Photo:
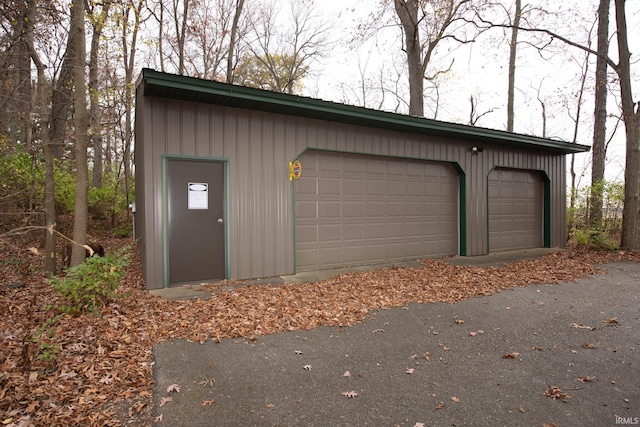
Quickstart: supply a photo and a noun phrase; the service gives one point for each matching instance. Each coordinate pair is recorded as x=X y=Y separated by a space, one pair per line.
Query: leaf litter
x=102 y=372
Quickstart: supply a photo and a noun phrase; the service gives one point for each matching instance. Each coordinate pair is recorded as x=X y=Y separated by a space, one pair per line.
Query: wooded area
x=68 y=73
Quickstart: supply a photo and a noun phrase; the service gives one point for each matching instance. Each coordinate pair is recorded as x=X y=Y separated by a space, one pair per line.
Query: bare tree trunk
x=161 y=36
x=95 y=116
x=181 y=30
x=129 y=63
x=600 y=117
x=43 y=113
x=80 y=219
x=631 y=114
x=61 y=100
x=407 y=11
x=513 y=48
x=232 y=40
x=572 y=202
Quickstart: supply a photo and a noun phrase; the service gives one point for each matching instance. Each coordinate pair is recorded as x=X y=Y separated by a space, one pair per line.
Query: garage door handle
x=220 y=220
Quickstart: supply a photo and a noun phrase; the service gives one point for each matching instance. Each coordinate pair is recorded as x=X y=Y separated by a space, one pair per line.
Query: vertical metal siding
x=259 y=147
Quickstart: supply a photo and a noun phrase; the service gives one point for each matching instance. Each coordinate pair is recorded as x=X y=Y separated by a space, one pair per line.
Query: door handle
x=220 y=220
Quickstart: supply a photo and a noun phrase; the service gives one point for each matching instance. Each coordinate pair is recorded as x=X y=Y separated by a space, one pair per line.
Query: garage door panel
x=308 y=186
x=376 y=187
x=515 y=210
x=353 y=232
x=307 y=233
x=413 y=209
x=307 y=209
x=374 y=166
x=330 y=186
x=352 y=187
x=395 y=209
x=370 y=209
x=395 y=168
x=375 y=209
x=353 y=210
x=375 y=231
x=375 y=251
x=331 y=232
x=395 y=188
x=396 y=229
x=330 y=209
x=330 y=255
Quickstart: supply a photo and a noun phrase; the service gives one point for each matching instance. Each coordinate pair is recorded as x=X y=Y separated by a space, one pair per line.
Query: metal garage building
x=217 y=196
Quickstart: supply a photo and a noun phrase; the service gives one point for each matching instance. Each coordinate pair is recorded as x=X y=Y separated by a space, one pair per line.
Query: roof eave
x=198 y=90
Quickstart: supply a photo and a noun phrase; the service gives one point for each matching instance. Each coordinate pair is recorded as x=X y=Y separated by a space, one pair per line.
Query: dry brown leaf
x=165 y=400
x=346 y=374
x=426 y=355
x=208 y=382
x=611 y=321
x=455 y=399
x=307 y=367
x=588 y=345
x=511 y=355
x=409 y=371
x=586 y=378
x=350 y=394
x=440 y=406
x=172 y=388
x=473 y=334
x=208 y=402
x=459 y=321
x=581 y=326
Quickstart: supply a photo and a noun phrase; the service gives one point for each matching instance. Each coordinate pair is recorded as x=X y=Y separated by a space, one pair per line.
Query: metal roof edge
x=347 y=113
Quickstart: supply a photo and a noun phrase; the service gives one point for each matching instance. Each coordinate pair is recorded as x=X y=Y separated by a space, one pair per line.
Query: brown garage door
x=357 y=209
x=515 y=210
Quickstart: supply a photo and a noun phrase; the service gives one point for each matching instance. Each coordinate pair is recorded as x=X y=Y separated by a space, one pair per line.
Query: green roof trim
x=164 y=85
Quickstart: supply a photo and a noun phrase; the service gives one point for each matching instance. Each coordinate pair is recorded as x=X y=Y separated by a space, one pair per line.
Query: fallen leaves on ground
x=556 y=392
x=102 y=372
x=350 y=394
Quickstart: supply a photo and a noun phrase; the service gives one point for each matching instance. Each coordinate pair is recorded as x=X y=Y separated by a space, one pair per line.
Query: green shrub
x=124 y=230
x=593 y=239
x=94 y=283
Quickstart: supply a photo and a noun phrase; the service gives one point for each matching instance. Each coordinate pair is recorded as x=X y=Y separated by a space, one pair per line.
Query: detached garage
x=238 y=183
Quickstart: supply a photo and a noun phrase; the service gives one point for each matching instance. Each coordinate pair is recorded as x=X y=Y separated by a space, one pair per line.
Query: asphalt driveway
x=567 y=354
